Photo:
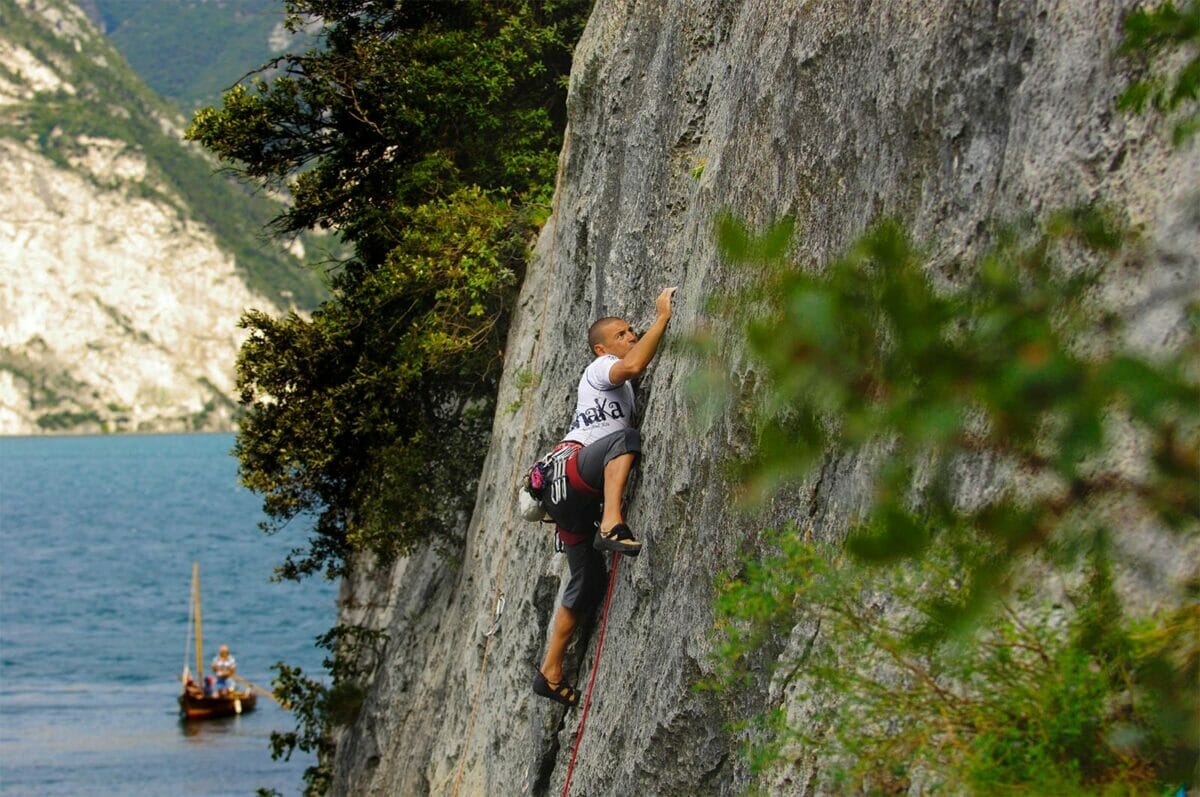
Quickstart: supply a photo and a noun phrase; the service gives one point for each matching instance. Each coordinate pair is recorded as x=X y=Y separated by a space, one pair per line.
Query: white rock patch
x=133 y=302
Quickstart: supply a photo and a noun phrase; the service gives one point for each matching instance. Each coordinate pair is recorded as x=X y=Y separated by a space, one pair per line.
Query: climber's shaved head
x=613 y=336
x=598 y=332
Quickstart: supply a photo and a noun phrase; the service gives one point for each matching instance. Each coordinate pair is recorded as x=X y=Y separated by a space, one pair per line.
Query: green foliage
x=933 y=654
x=1034 y=702
x=402 y=103
x=371 y=416
x=869 y=352
x=1166 y=41
x=319 y=708
x=426 y=134
x=974 y=646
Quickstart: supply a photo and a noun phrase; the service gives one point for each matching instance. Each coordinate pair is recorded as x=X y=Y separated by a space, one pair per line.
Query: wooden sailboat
x=194 y=704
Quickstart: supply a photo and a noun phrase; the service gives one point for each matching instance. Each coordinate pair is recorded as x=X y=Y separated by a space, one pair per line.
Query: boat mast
x=187 y=645
x=199 y=635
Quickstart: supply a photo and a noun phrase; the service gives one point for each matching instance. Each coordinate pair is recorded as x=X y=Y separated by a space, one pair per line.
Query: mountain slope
x=124 y=263
x=212 y=43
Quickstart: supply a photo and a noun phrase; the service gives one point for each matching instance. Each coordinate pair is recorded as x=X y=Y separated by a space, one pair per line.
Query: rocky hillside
x=124 y=263
x=947 y=115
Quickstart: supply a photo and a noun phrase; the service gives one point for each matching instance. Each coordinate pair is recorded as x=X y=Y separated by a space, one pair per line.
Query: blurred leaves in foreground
x=1020 y=370
x=1166 y=42
x=965 y=637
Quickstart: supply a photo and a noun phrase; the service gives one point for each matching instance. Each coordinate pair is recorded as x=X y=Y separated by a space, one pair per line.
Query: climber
x=591 y=467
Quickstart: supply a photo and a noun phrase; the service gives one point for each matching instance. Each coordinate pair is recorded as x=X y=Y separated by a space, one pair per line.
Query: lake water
x=97 y=540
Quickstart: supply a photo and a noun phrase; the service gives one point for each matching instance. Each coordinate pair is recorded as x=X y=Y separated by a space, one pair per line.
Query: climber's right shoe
x=620 y=539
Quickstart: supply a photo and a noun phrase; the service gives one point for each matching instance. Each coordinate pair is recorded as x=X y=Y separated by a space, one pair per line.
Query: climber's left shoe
x=560 y=692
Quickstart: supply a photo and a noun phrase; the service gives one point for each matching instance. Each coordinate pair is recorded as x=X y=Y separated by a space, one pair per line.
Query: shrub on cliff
x=426 y=135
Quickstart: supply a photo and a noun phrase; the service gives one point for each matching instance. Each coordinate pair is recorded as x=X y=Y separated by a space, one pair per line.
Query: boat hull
x=192 y=707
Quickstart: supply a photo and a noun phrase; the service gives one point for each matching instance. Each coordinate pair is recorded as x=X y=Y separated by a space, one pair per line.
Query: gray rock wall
x=945 y=114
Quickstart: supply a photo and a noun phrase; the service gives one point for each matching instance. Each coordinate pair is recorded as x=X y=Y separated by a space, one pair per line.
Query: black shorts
x=576 y=490
x=576 y=505
x=588 y=575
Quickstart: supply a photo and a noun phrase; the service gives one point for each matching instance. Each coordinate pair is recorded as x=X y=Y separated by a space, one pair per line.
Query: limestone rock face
x=113 y=307
x=118 y=310
x=944 y=114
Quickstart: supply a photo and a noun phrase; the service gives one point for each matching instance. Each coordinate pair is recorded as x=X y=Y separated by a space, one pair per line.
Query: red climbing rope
x=587 y=700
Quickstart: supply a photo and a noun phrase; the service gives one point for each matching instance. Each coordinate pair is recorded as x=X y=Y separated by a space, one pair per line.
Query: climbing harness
x=587 y=698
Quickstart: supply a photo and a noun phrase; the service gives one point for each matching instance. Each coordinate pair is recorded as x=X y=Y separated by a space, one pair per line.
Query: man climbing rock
x=589 y=471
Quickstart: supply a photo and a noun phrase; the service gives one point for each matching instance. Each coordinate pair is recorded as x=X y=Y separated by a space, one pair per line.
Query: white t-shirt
x=602 y=407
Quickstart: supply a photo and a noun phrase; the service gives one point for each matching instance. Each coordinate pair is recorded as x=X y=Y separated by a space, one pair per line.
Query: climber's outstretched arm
x=634 y=362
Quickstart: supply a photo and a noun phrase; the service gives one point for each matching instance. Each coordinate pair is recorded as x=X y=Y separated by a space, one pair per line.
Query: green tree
x=426 y=135
x=321 y=709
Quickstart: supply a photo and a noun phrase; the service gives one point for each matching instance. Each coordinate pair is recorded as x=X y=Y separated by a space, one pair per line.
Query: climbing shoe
x=559 y=692
x=620 y=539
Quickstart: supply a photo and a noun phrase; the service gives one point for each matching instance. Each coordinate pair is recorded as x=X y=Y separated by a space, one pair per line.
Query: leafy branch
x=936 y=651
x=320 y=709
x=1166 y=42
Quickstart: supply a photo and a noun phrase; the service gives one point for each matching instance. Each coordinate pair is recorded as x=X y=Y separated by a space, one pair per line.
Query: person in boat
x=225 y=666
x=589 y=472
x=193 y=689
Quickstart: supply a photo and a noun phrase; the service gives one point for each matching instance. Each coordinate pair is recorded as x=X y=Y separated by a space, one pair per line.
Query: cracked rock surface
x=946 y=115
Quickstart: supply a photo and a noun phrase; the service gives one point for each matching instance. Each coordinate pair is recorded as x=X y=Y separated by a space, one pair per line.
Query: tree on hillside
x=426 y=135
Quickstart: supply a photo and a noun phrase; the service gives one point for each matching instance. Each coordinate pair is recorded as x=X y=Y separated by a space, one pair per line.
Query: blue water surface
x=97 y=540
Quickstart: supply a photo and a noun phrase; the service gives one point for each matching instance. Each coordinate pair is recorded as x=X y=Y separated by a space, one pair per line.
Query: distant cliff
x=124 y=262
x=947 y=115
